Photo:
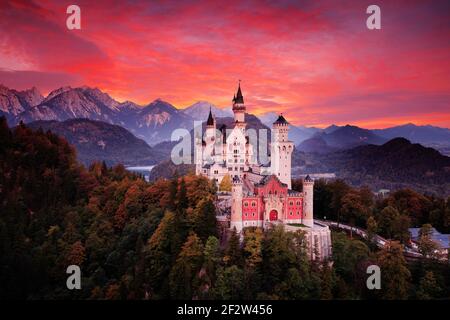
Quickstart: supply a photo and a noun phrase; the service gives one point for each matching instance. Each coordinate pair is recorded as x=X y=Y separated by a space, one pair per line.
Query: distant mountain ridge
x=156 y=121
x=395 y=164
x=13 y=102
x=200 y=110
x=100 y=141
x=339 y=139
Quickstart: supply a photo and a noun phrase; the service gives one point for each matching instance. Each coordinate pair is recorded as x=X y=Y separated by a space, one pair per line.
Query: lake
x=144 y=170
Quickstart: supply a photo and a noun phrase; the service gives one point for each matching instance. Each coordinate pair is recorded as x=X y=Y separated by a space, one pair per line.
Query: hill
x=96 y=140
x=393 y=165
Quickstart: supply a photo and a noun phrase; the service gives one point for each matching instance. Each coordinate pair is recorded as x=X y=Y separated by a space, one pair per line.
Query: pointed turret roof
x=210 y=121
x=238 y=98
x=281 y=120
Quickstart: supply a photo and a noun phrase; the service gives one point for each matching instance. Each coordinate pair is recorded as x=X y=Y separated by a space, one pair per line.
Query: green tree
x=233 y=251
x=427 y=247
x=182 y=198
x=253 y=247
x=186 y=268
x=278 y=256
x=229 y=284
x=395 y=274
x=160 y=253
x=372 y=229
x=212 y=257
x=428 y=287
x=204 y=221
x=173 y=191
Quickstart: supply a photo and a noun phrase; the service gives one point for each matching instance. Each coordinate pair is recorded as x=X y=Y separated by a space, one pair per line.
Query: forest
x=160 y=240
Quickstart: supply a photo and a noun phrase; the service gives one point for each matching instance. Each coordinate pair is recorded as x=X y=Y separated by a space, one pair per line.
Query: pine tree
x=395 y=274
x=372 y=229
x=204 y=221
x=229 y=284
x=233 y=251
x=182 y=197
x=173 y=191
x=186 y=268
x=211 y=256
x=427 y=247
x=428 y=287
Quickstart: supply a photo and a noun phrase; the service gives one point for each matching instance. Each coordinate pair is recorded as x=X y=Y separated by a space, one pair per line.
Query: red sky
x=315 y=61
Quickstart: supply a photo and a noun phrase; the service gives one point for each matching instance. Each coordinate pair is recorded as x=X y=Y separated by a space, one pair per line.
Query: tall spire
x=239 y=97
x=210 y=121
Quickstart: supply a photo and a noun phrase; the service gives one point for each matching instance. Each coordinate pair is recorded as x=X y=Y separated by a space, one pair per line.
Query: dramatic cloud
x=313 y=60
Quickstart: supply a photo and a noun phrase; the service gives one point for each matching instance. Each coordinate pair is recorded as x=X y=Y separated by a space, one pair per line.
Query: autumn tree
x=229 y=284
x=203 y=220
x=395 y=275
x=212 y=257
x=186 y=268
x=225 y=184
x=372 y=229
x=233 y=251
x=428 y=287
x=427 y=247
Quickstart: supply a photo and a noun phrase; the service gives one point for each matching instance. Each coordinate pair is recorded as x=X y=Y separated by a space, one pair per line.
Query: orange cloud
x=313 y=60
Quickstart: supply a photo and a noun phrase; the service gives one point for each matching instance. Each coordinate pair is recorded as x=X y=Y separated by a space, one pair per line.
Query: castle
x=261 y=195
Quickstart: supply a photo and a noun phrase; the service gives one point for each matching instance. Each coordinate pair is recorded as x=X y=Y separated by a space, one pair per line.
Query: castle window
x=290 y=213
x=254 y=204
x=291 y=203
x=245 y=204
x=298 y=203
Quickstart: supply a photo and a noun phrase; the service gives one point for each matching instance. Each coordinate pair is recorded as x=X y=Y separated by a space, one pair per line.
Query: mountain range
x=97 y=140
x=200 y=110
x=156 y=121
x=395 y=164
x=340 y=138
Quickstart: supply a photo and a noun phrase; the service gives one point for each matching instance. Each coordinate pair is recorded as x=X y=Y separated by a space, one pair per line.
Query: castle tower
x=210 y=136
x=281 y=151
x=239 y=106
x=308 y=201
x=236 y=205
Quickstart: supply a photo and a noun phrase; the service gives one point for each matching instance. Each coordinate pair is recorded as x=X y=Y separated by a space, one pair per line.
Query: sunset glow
x=315 y=61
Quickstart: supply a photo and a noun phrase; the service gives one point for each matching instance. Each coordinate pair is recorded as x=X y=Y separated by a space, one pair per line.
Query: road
x=379 y=240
